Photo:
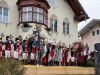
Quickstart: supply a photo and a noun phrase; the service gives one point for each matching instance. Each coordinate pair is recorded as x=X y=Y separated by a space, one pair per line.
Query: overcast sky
x=92 y=8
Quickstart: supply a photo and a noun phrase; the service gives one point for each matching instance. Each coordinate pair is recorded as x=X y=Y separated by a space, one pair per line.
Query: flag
x=36 y=38
x=82 y=55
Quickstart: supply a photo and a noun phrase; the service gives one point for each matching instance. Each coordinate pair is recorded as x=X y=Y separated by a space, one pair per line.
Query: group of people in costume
x=44 y=53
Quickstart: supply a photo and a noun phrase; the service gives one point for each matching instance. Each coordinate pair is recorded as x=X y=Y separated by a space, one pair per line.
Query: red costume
x=51 y=52
x=82 y=55
x=63 y=56
x=33 y=49
x=1 y=43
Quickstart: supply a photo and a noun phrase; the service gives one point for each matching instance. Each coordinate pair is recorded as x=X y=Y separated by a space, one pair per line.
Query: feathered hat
x=7 y=38
x=16 y=39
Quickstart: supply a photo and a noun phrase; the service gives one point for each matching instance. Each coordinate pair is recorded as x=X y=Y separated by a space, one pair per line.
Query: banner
x=36 y=38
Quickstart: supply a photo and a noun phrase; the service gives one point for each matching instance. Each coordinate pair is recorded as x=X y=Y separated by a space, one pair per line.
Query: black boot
x=23 y=61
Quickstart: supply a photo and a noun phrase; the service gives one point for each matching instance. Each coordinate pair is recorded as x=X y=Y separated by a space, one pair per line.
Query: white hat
x=46 y=39
x=57 y=42
x=17 y=40
x=8 y=38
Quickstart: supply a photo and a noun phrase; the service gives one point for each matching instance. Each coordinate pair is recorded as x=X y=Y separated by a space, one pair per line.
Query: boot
x=31 y=62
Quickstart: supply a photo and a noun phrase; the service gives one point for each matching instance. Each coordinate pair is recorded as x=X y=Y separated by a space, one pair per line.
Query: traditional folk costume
x=72 y=56
x=8 y=47
x=82 y=55
x=1 y=44
x=56 y=55
x=17 y=48
x=51 y=54
x=45 y=48
x=60 y=55
x=33 y=52
x=63 y=56
x=66 y=55
x=25 y=52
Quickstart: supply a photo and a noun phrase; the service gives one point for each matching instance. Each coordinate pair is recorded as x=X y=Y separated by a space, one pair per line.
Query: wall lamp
x=11 y=36
x=2 y=35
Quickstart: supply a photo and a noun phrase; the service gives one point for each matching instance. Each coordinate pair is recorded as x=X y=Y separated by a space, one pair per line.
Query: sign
x=36 y=38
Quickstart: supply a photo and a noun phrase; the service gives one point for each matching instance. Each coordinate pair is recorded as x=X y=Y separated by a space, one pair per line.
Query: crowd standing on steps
x=46 y=53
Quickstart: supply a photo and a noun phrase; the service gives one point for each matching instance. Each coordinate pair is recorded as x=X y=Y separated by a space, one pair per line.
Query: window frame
x=53 y=28
x=66 y=31
x=92 y=33
x=97 y=32
x=43 y=15
x=2 y=14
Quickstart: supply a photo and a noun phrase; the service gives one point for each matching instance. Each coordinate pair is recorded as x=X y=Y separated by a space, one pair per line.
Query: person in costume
x=8 y=47
x=16 y=48
x=63 y=56
x=66 y=55
x=33 y=58
x=45 y=52
x=86 y=53
x=82 y=55
x=1 y=44
x=56 y=57
x=51 y=54
x=72 y=56
x=60 y=54
x=25 y=48
x=40 y=53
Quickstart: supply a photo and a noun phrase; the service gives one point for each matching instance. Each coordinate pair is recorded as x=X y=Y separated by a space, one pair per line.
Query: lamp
x=39 y=3
x=2 y=35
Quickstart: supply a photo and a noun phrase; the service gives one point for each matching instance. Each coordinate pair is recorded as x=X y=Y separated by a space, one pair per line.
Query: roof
x=89 y=26
x=78 y=9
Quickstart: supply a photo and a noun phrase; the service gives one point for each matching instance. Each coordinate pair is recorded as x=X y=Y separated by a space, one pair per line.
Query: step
x=58 y=70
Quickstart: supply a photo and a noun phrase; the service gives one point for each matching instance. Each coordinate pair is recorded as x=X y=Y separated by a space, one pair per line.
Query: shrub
x=90 y=64
x=11 y=67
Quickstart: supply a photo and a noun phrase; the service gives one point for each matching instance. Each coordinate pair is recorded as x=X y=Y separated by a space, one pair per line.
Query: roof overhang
x=78 y=10
x=88 y=26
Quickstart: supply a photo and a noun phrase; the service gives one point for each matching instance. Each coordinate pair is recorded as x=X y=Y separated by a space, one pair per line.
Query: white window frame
x=38 y=15
x=53 y=25
x=51 y=2
x=94 y=33
x=26 y=13
x=66 y=25
x=3 y=15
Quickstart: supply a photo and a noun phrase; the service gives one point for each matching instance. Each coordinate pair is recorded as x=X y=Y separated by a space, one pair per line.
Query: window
x=33 y=14
x=97 y=31
x=93 y=33
x=65 y=28
x=38 y=15
x=3 y=15
x=27 y=14
x=51 y=2
x=53 y=25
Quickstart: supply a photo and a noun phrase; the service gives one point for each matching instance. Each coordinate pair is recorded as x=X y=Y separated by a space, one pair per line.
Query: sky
x=92 y=8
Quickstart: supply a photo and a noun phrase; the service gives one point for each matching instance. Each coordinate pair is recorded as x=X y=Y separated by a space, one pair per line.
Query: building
x=20 y=17
x=91 y=33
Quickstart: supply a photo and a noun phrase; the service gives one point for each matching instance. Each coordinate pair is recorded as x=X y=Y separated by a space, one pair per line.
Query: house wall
x=61 y=10
x=11 y=27
x=91 y=40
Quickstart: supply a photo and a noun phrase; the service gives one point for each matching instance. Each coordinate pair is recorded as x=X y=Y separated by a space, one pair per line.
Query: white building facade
x=61 y=16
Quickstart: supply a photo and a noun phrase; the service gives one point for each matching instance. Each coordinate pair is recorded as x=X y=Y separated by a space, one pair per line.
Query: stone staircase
x=34 y=70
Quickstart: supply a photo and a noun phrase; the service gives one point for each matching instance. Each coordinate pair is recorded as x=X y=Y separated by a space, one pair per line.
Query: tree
x=11 y=67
